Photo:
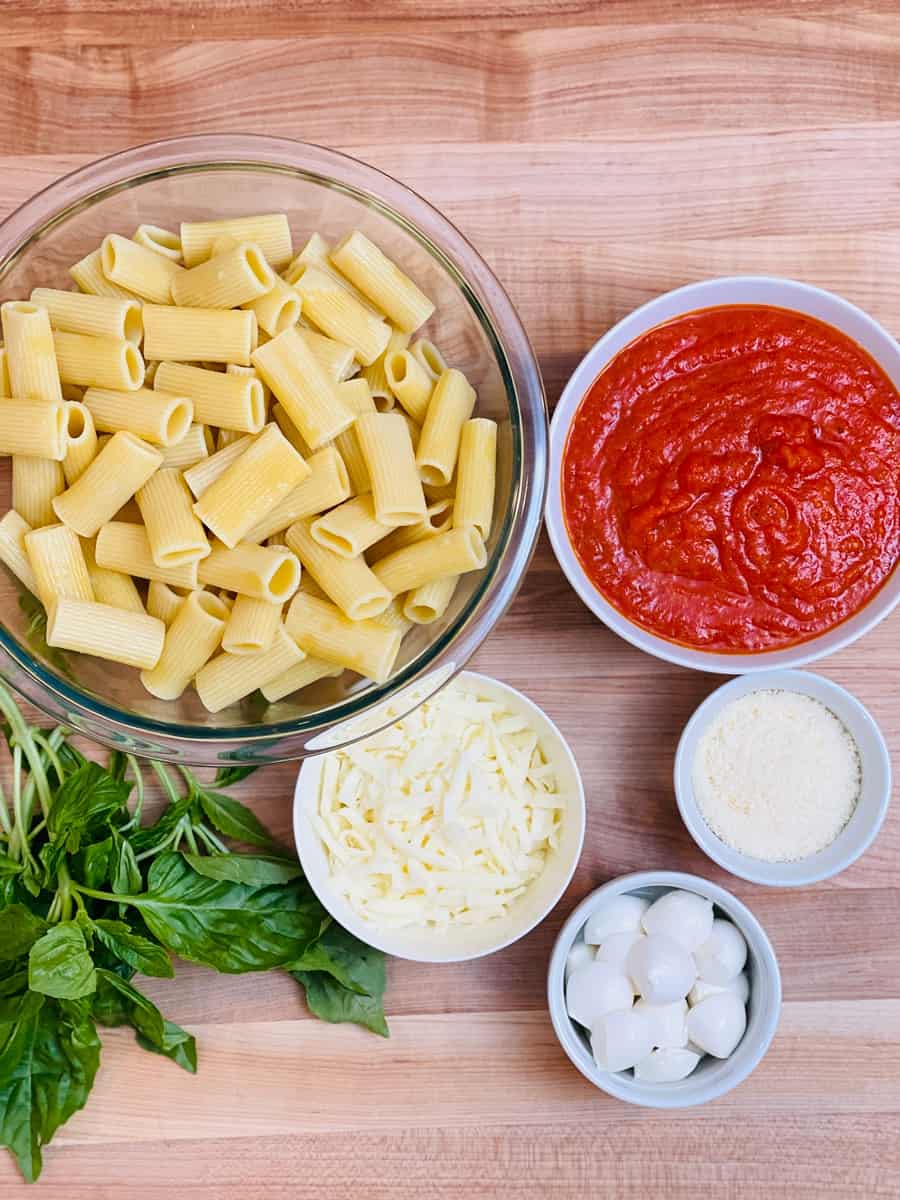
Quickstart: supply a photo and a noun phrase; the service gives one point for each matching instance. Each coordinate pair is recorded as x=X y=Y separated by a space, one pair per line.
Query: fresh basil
x=228 y=776
x=350 y=962
x=234 y=819
x=124 y=872
x=84 y=803
x=138 y=952
x=245 y=868
x=59 y=963
x=120 y=1003
x=329 y=1001
x=20 y=928
x=232 y=927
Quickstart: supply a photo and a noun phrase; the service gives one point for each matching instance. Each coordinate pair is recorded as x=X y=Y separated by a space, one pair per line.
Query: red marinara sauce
x=730 y=480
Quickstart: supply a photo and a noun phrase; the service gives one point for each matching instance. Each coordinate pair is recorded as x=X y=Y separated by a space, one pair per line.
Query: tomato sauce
x=730 y=480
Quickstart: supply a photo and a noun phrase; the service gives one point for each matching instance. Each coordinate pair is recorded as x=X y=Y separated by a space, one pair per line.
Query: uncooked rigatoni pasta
x=202 y=417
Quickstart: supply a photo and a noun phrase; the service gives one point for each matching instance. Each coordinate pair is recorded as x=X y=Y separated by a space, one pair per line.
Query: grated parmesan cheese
x=443 y=818
x=776 y=775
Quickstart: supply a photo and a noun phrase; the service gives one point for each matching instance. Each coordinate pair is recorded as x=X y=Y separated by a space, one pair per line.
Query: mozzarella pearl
x=621 y=914
x=702 y=988
x=717 y=1024
x=666 y=1066
x=620 y=1039
x=615 y=948
x=722 y=956
x=683 y=916
x=661 y=969
x=595 y=989
x=579 y=956
x=667 y=1023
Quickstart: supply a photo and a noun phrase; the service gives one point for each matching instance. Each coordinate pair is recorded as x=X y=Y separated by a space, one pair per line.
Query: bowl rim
x=305 y=838
x=563 y=1027
x=743 y=865
x=516 y=363
x=701 y=294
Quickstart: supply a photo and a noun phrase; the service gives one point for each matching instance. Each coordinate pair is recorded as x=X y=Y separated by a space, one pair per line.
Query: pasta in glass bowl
x=361 y=491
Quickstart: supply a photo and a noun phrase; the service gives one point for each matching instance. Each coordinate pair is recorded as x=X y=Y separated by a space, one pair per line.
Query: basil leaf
x=234 y=819
x=353 y=964
x=120 y=1003
x=94 y=867
x=48 y=1062
x=226 y=776
x=20 y=928
x=85 y=802
x=329 y=1001
x=125 y=874
x=138 y=952
x=59 y=963
x=14 y=982
x=232 y=927
x=245 y=868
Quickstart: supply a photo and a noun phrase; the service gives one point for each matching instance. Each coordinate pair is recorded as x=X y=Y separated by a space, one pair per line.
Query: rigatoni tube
x=124 y=547
x=30 y=356
x=58 y=563
x=347 y=581
x=409 y=382
x=379 y=278
x=89 y=627
x=173 y=532
x=229 y=677
x=13 y=553
x=300 y=676
x=261 y=477
x=326 y=486
x=269 y=231
x=191 y=640
x=450 y=407
x=277 y=309
x=225 y=281
x=89 y=277
x=351 y=528
x=123 y=465
x=36 y=483
x=202 y=475
x=299 y=382
x=476 y=476
x=387 y=448
x=356 y=395
x=332 y=309
x=81 y=440
x=137 y=269
x=252 y=625
x=194 y=446
x=264 y=572
x=322 y=630
x=163 y=600
x=101 y=362
x=199 y=334
x=156 y=416
x=36 y=428
x=96 y=316
x=227 y=401
x=451 y=553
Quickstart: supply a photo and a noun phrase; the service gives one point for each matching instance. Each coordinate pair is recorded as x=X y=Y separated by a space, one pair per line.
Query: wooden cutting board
x=596 y=154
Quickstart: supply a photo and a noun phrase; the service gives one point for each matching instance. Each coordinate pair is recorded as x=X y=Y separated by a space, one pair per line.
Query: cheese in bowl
x=451 y=832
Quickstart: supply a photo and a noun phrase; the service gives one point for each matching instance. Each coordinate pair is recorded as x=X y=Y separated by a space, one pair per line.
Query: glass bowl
x=476 y=327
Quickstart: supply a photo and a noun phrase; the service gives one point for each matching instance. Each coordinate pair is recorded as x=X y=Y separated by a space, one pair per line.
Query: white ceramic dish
x=859 y=832
x=713 y=1077
x=745 y=289
x=462 y=942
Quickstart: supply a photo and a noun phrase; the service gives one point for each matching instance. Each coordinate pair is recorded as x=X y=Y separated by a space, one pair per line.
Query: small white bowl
x=712 y=1077
x=859 y=832
x=462 y=942
x=741 y=289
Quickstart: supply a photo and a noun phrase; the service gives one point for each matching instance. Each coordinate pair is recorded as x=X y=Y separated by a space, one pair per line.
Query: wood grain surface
x=596 y=154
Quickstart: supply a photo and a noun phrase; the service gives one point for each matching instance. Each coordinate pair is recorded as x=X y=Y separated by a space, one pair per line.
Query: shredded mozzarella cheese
x=444 y=817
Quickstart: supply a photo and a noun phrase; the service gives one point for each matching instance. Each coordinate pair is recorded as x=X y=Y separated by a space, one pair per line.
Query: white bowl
x=859 y=832
x=459 y=943
x=712 y=1077
x=741 y=289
